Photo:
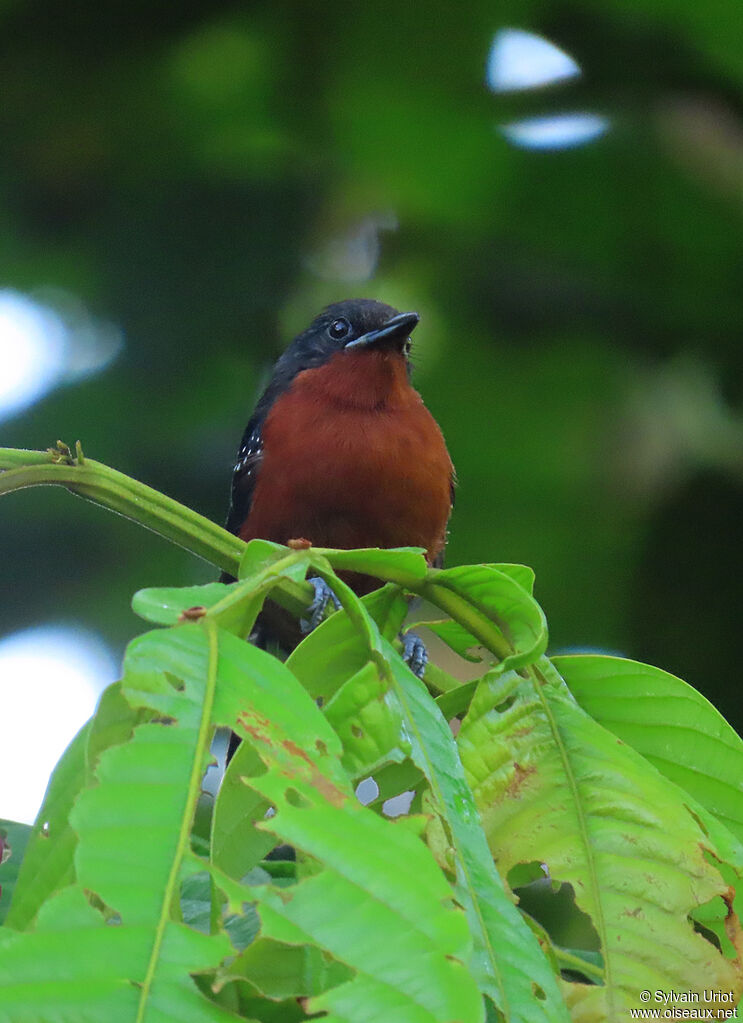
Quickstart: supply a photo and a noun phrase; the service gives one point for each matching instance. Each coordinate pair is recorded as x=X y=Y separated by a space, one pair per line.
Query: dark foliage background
x=189 y=172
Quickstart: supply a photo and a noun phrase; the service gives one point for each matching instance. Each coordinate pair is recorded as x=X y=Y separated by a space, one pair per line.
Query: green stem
x=139 y=503
x=569 y=961
x=181 y=525
x=462 y=611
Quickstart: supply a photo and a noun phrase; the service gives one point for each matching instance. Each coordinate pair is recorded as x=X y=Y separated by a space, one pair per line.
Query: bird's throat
x=364 y=379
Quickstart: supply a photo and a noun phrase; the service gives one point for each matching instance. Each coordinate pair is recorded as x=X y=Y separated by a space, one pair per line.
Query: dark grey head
x=348 y=327
x=351 y=325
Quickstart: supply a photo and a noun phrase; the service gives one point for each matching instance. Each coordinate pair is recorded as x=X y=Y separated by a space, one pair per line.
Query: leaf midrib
x=540 y=682
x=183 y=844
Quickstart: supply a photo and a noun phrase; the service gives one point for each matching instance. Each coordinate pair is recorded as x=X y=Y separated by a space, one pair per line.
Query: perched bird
x=341 y=450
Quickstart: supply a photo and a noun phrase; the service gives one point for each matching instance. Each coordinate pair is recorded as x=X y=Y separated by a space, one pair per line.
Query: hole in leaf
x=321 y=747
x=367 y=791
x=110 y=915
x=716 y=923
x=177 y=683
x=320 y=701
x=165 y=720
x=282 y=854
x=552 y=904
x=242 y=927
x=706 y=933
x=296 y=799
x=398 y=806
x=45 y=829
x=522 y=874
x=196 y=901
x=357 y=732
x=538 y=992
x=491 y=1013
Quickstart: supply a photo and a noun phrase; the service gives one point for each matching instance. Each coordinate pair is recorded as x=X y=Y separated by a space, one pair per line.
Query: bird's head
x=353 y=326
x=359 y=346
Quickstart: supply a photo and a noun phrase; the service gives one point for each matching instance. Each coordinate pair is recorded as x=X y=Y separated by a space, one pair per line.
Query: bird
x=342 y=452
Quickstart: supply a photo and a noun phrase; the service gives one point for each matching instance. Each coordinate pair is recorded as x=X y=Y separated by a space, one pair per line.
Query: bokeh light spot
x=51 y=678
x=32 y=351
x=43 y=345
x=523 y=60
x=558 y=131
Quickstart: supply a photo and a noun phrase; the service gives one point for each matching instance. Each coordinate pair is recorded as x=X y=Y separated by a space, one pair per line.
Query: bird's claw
x=316 y=611
x=414 y=653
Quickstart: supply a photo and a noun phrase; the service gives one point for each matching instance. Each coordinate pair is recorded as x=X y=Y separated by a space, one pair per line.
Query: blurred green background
x=183 y=186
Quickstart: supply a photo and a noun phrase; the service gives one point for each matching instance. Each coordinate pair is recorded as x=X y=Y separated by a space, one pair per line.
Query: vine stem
x=136 y=501
x=99 y=483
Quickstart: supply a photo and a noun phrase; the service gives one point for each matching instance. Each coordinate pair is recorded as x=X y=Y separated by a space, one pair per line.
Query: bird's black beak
x=396 y=330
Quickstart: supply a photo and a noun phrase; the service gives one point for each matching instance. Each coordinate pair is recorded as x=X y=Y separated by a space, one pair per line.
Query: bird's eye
x=338 y=329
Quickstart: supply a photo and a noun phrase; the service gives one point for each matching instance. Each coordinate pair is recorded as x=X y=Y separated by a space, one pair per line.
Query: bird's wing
x=438 y=561
x=245 y=475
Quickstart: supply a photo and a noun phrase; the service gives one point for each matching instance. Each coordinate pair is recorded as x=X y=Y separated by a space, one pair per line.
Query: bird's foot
x=414 y=653
x=316 y=611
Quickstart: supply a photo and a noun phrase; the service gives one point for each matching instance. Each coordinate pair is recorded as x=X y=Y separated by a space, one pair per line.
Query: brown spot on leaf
x=296 y=751
x=192 y=614
x=254 y=724
x=520 y=774
x=732 y=924
x=519 y=733
x=299 y=544
x=177 y=683
x=324 y=786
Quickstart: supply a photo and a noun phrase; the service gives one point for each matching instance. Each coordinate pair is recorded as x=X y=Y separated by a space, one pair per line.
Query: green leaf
x=74 y=966
x=396 y=778
x=114 y=723
x=356 y=897
x=235 y=606
x=498 y=598
x=456 y=702
x=507 y=962
x=670 y=723
x=236 y=844
x=131 y=858
x=48 y=862
x=455 y=636
x=555 y=787
x=13 y=841
x=401 y=565
x=366 y=716
x=521 y=574
x=165 y=605
x=389 y=917
x=280 y=971
x=262 y=555
x=334 y=652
